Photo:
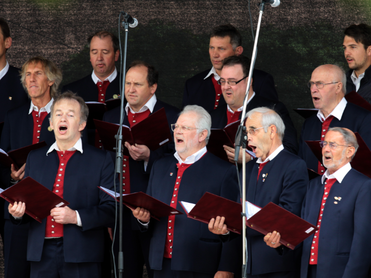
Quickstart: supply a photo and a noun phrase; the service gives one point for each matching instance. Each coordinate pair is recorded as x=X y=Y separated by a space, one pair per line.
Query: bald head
x=331 y=81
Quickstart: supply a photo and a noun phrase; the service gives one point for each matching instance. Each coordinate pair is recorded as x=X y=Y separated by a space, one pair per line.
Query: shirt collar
x=337 y=112
x=4 y=70
x=192 y=158
x=149 y=105
x=109 y=78
x=46 y=108
x=76 y=147
x=213 y=71
x=338 y=175
x=271 y=156
x=241 y=108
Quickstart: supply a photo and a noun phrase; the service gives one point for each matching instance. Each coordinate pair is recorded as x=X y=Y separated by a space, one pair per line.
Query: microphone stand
x=241 y=138
x=119 y=149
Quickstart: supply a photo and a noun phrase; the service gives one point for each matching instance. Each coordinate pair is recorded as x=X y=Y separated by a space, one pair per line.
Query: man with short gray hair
x=276 y=176
x=327 y=87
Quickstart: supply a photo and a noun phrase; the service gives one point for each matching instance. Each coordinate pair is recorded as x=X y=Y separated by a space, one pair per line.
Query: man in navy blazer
x=140 y=93
x=233 y=80
x=26 y=125
x=327 y=86
x=12 y=93
x=104 y=52
x=338 y=202
x=182 y=247
x=70 y=241
x=276 y=176
x=202 y=89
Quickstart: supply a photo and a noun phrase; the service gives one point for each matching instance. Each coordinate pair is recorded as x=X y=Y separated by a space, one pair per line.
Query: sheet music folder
x=39 y=200
x=18 y=157
x=140 y=199
x=271 y=217
x=153 y=132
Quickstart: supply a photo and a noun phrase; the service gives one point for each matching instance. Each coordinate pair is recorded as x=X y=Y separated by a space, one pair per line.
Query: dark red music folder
x=157 y=208
x=97 y=109
x=361 y=161
x=18 y=157
x=211 y=206
x=292 y=228
x=39 y=200
x=306 y=112
x=153 y=132
x=356 y=99
x=271 y=217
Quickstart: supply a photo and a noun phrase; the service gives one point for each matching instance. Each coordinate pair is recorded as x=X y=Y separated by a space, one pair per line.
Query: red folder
x=272 y=217
x=97 y=109
x=306 y=112
x=211 y=206
x=361 y=161
x=39 y=199
x=18 y=157
x=153 y=132
x=291 y=227
x=356 y=99
x=157 y=208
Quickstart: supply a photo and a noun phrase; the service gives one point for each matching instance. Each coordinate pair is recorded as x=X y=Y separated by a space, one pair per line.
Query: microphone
x=133 y=22
x=274 y=3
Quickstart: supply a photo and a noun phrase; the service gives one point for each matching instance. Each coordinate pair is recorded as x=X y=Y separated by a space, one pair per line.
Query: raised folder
x=97 y=109
x=157 y=208
x=39 y=200
x=18 y=157
x=272 y=217
x=153 y=132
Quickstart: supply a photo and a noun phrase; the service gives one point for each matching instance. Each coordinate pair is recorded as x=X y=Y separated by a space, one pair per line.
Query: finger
x=211 y=224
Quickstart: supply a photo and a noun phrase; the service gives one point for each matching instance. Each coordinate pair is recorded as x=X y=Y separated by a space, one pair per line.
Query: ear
x=350 y=151
x=153 y=89
x=8 y=42
x=272 y=129
x=82 y=126
x=239 y=50
x=202 y=136
x=117 y=55
x=51 y=123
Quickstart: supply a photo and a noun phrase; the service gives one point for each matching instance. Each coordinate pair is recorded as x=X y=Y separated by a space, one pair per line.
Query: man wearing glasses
x=233 y=81
x=327 y=87
x=338 y=202
x=203 y=88
x=276 y=176
x=182 y=247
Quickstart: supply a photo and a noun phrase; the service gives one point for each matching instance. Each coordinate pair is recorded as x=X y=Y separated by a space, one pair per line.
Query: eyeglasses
x=252 y=131
x=182 y=128
x=319 y=84
x=222 y=82
x=332 y=145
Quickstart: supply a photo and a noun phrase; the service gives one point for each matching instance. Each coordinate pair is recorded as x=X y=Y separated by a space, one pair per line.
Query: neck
x=2 y=62
x=41 y=102
x=64 y=146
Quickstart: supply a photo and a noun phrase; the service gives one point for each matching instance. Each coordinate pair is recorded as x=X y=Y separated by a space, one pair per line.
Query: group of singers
x=75 y=240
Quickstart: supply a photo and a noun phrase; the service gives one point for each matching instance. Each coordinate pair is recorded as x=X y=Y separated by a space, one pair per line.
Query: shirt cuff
x=78 y=218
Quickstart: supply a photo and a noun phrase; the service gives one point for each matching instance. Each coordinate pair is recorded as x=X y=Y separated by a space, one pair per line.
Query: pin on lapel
x=171 y=174
x=264 y=176
x=337 y=198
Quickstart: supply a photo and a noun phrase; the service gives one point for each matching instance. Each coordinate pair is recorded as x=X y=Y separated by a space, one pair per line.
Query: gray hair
x=348 y=136
x=343 y=78
x=269 y=117
x=203 y=121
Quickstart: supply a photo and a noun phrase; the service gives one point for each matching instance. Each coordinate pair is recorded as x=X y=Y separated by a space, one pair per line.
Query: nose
x=346 y=51
x=100 y=56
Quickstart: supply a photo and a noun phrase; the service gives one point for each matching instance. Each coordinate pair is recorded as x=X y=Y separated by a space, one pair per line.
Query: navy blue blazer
x=343 y=244
x=201 y=91
x=219 y=120
x=88 y=90
x=285 y=186
x=354 y=117
x=12 y=93
x=84 y=173
x=195 y=248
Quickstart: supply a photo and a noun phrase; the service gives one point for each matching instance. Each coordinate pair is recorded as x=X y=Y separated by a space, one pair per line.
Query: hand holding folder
x=270 y=218
x=157 y=208
x=39 y=200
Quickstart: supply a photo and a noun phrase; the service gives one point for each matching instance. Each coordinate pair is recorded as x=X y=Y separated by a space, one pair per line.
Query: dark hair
x=230 y=31
x=152 y=73
x=102 y=35
x=51 y=71
x=4 y=28
x=360 y=33
x=238 y=60
x=84 y=110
